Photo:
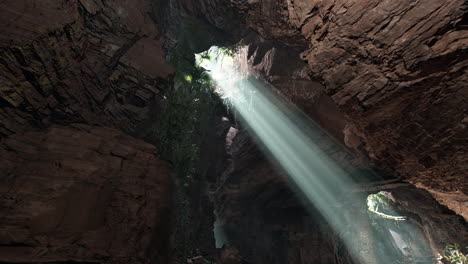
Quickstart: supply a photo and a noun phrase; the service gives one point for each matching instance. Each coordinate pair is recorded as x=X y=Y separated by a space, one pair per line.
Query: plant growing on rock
x=453 y=254
x=189 y=108
x=381 y=205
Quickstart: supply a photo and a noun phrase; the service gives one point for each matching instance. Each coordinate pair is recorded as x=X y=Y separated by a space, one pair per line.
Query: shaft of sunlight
x=287 y=138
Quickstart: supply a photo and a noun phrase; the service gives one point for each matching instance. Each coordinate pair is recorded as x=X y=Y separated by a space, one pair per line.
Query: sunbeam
x=287 y=136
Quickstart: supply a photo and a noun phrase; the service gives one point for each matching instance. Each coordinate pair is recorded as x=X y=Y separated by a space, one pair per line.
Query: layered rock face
x=75 y=192
x=282 y=67
x=397 y=70
x=386 y=78
x=79 y=61
x=83 y=194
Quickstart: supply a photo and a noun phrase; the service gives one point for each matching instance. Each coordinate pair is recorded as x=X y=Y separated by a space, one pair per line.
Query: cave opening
x=286 y=136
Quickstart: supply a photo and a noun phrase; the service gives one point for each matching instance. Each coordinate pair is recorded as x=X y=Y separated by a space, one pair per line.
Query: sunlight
x=286 y=135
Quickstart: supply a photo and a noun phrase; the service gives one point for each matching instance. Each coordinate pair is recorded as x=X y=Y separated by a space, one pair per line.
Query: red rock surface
x=261 y=212
x=72 y=192
x=397 y=70
x=84 y=194
x=79 y=61
x=392 y=74
x=388 y=78
x=81 y=193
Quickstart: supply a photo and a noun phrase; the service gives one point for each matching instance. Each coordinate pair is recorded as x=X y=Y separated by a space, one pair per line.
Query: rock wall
x=260 y=213
x=386 y=78
x=79 y=61
x=87 y=192
x=393 y=72
x=83 y=194
x=396 y=70
x=194 y=206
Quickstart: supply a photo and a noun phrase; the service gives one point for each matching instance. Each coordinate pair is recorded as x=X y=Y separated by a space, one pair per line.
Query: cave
x=234 y=131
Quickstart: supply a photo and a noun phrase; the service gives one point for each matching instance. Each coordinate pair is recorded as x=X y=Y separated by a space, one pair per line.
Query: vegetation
x=189 y=109
x=232 y=50
x=380 y=204
x=235 y=83
x=182 y=128
x=453 y=253
x=376 y=200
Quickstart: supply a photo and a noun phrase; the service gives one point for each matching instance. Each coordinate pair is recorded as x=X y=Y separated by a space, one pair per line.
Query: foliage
x=378 y=201
x=453 y=253
x=382 y=213
x=232 y=50
x=221 y=53
x=190 y=105
x=189 y=108
x=235 y=84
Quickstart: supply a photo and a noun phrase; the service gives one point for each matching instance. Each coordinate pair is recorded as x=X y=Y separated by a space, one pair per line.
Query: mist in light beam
x=287 y=138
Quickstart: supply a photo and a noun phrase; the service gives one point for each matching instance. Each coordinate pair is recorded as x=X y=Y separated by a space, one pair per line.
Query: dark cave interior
x=119 y=143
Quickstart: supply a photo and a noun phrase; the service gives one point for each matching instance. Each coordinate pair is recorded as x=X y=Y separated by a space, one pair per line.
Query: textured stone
x=28 y=19
x=388 y=78
x=394 y=74
x=79 y=61
x=261 y=213
x=397 y=70
x=83 y=194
